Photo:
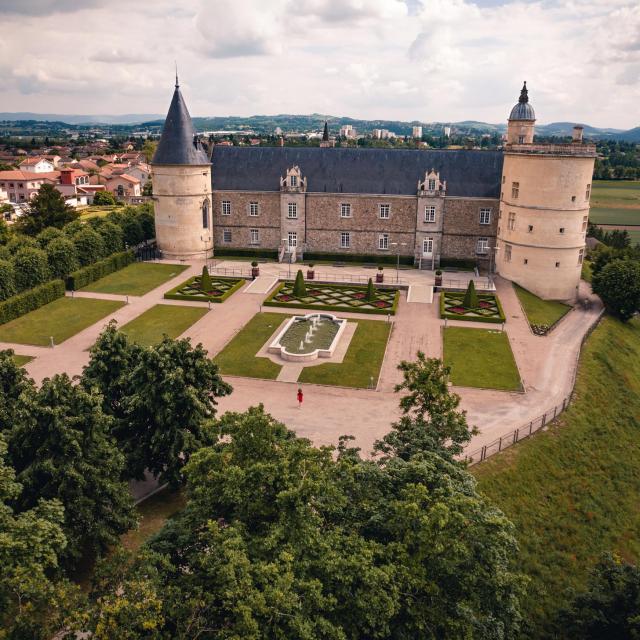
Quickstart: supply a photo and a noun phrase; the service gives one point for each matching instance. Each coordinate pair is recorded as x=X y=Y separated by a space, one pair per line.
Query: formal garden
x=333 y=297
x=206 y=288
x=471 y=305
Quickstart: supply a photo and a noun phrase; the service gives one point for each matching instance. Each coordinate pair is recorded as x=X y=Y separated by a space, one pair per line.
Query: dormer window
x=431 y=184
x=293 y=181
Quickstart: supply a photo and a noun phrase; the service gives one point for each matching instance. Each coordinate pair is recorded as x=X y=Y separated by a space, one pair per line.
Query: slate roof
x=523 y=110
x=343 y=170
x=177 y=143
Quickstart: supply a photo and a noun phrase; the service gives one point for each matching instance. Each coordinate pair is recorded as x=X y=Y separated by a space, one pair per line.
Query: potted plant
x=380 y=275
x=311 y=274
x=438 y=278
x=255 y=269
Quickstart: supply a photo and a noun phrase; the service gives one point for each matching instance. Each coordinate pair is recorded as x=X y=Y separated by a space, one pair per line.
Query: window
x=573 y=198
x=557 y=264
x=482 y=246
x=530 y=228
x=292 y=210
x=504 y=179
x=431 y=184
x=385 y=209
x=254 y=236
x=580 y=256
x=485 y=216
x=561 y=229
x=587 y=193
x=520 y=139
x=383 y=241
x=515 y=190
x=585 y=222
x=429 y=214
x=511 y=225
x=427 y=246
x=507 y=253
x=293 y=181
x=345 y=240
x=345 y=210
x=253 y=208
x=226 y=207
x=205 y=214
x=526 y=261
x=226 y=235
x=292 y=239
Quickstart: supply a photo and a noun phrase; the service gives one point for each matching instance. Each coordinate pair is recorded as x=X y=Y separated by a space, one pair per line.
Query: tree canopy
x=46 y=209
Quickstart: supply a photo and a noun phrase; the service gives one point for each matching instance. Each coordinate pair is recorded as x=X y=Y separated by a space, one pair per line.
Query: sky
x=427 y=60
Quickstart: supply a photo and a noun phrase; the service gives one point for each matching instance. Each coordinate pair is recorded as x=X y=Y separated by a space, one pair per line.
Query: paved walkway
x=547 y=365
x=420 y=293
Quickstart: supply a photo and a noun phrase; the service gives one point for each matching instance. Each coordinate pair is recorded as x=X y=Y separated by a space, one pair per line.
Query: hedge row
x=270 y=302
x=91 y=273
x=249 y=253
x=30 y=300
x=459 y=263
x=174 y=295
x=310 y=256
x=481 y=296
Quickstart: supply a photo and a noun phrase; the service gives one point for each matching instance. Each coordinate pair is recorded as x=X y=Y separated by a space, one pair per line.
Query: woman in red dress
x=300 y=398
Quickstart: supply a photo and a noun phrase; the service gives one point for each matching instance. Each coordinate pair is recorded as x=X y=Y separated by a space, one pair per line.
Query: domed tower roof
x=523 y=110
x=178 y=143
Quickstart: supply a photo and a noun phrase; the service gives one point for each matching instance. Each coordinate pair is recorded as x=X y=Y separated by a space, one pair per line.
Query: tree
x=430 y=418
x=7 y=280
x=618 y=285
x=149 y=148
x=299 y=286
x=5 y=231
x=132 y=230
x=147 y=222
x=62 y=256
x=47 y=209
x=205 y=280
x=47 y=235
x=103 y=198
x=62 y=449
x=470 y=297
x=13 y=382
x=609 y=607
x=147 y=189
x=90 y=246
x=111 y=236
x=31 y=268
x=371 y=291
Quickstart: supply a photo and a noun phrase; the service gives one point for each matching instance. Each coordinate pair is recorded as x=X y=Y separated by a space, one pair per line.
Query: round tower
x=182 y=187
x=544 y=208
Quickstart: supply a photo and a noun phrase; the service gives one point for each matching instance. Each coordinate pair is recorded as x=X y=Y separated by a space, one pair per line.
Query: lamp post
x=285 y=244
x=398 y=245
x=493 y=256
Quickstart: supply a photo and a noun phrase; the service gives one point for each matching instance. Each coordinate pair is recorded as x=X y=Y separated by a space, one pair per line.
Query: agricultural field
x=616 y=202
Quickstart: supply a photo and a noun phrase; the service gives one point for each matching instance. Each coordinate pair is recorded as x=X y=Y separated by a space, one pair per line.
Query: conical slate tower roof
x=178 y=144
x=325 y=133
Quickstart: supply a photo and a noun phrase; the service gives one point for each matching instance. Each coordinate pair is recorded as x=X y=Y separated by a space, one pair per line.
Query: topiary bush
x=205 y=280
x=470 y=297
x=299 y=287
x=31 y=268
x=62 y=256
x=7 y=280
x=371 y=291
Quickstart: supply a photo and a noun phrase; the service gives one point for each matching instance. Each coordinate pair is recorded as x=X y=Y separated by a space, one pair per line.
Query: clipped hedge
x=91 y=273
x=30 y=300
x=459 y=263
x=174 y=295
x=310 y=256
x=249 y=253
x=481 y=296
x=270 y=302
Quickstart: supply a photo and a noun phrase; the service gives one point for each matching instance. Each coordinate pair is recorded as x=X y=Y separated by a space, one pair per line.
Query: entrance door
x=292 y=240
x=427 y=247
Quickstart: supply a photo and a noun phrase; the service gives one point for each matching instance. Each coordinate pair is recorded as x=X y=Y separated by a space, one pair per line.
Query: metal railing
x=341 y=277
x=455 y=283
x=225 y=271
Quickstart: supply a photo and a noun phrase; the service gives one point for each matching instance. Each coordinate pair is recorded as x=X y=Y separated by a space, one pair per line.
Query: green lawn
x=480 y=358
x=22 y=360
x=572 y=491
x=136 y=279
x=586 y=271
x=61 y=319
x=361 y=363
x=97 y=211
x=238 y=358
x=163 y=319
x=540 y=312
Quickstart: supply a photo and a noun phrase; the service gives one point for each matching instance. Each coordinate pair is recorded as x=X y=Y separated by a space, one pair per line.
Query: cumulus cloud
x=120 y=56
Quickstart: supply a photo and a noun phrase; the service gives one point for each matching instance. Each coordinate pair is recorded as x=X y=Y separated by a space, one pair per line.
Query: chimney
x=577 y=134
x=281 y=141
x=66 y=176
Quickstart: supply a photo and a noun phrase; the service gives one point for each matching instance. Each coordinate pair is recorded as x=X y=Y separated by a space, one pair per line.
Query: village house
x=36 y=165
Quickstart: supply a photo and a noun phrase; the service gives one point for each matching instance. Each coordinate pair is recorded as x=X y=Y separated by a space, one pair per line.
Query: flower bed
x=489 y=308
x=221 y=289
x=331 y=297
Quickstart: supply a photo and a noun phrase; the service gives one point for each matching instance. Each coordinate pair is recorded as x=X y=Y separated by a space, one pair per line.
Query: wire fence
x=455 y=283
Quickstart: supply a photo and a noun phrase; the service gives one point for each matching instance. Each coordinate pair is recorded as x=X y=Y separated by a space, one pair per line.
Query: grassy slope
x=238 y=358
x=540 y=311
x=361 y=362
x=572 y=491
x=172 y=320
x=480 y=358
x=136 y=279
x=61 y=319
x=22 y=360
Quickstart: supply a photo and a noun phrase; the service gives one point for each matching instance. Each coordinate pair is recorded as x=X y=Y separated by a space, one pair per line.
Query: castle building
x=521 y=211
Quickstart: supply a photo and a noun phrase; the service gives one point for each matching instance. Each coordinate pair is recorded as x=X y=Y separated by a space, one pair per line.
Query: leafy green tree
x=62 y=449
x=431 y=420
x=62 y=256
x=112 y=237
x=5 y=230
x=73 y=228
x=7 y=280
x=205 y=279
x=470 y=297
x=618 y=285
x=132 y=231
x=47 y=235
x=371 y=291
x=147 y=189
x=47 y=209
x=610 y=606
x=103 y=198
x=299 y=286
x=147 y=222
x=31 y=268
x=13 y=382
x=90 y=246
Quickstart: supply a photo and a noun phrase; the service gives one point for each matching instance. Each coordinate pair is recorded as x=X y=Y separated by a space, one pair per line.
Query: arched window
x=205 y=214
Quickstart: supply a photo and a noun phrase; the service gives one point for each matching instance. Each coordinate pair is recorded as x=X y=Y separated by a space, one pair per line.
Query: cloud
x=44 y=7
x=119 y=56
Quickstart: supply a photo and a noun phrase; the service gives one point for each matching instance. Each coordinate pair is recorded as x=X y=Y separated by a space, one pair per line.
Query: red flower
x=381 y=304
x=483 y=304
x=214 y=292
x=284 y=298
x=313 y=292
x=459 y=310
x=359 y=296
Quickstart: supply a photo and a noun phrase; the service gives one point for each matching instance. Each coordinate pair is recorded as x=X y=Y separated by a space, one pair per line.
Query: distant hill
x=130 y=118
